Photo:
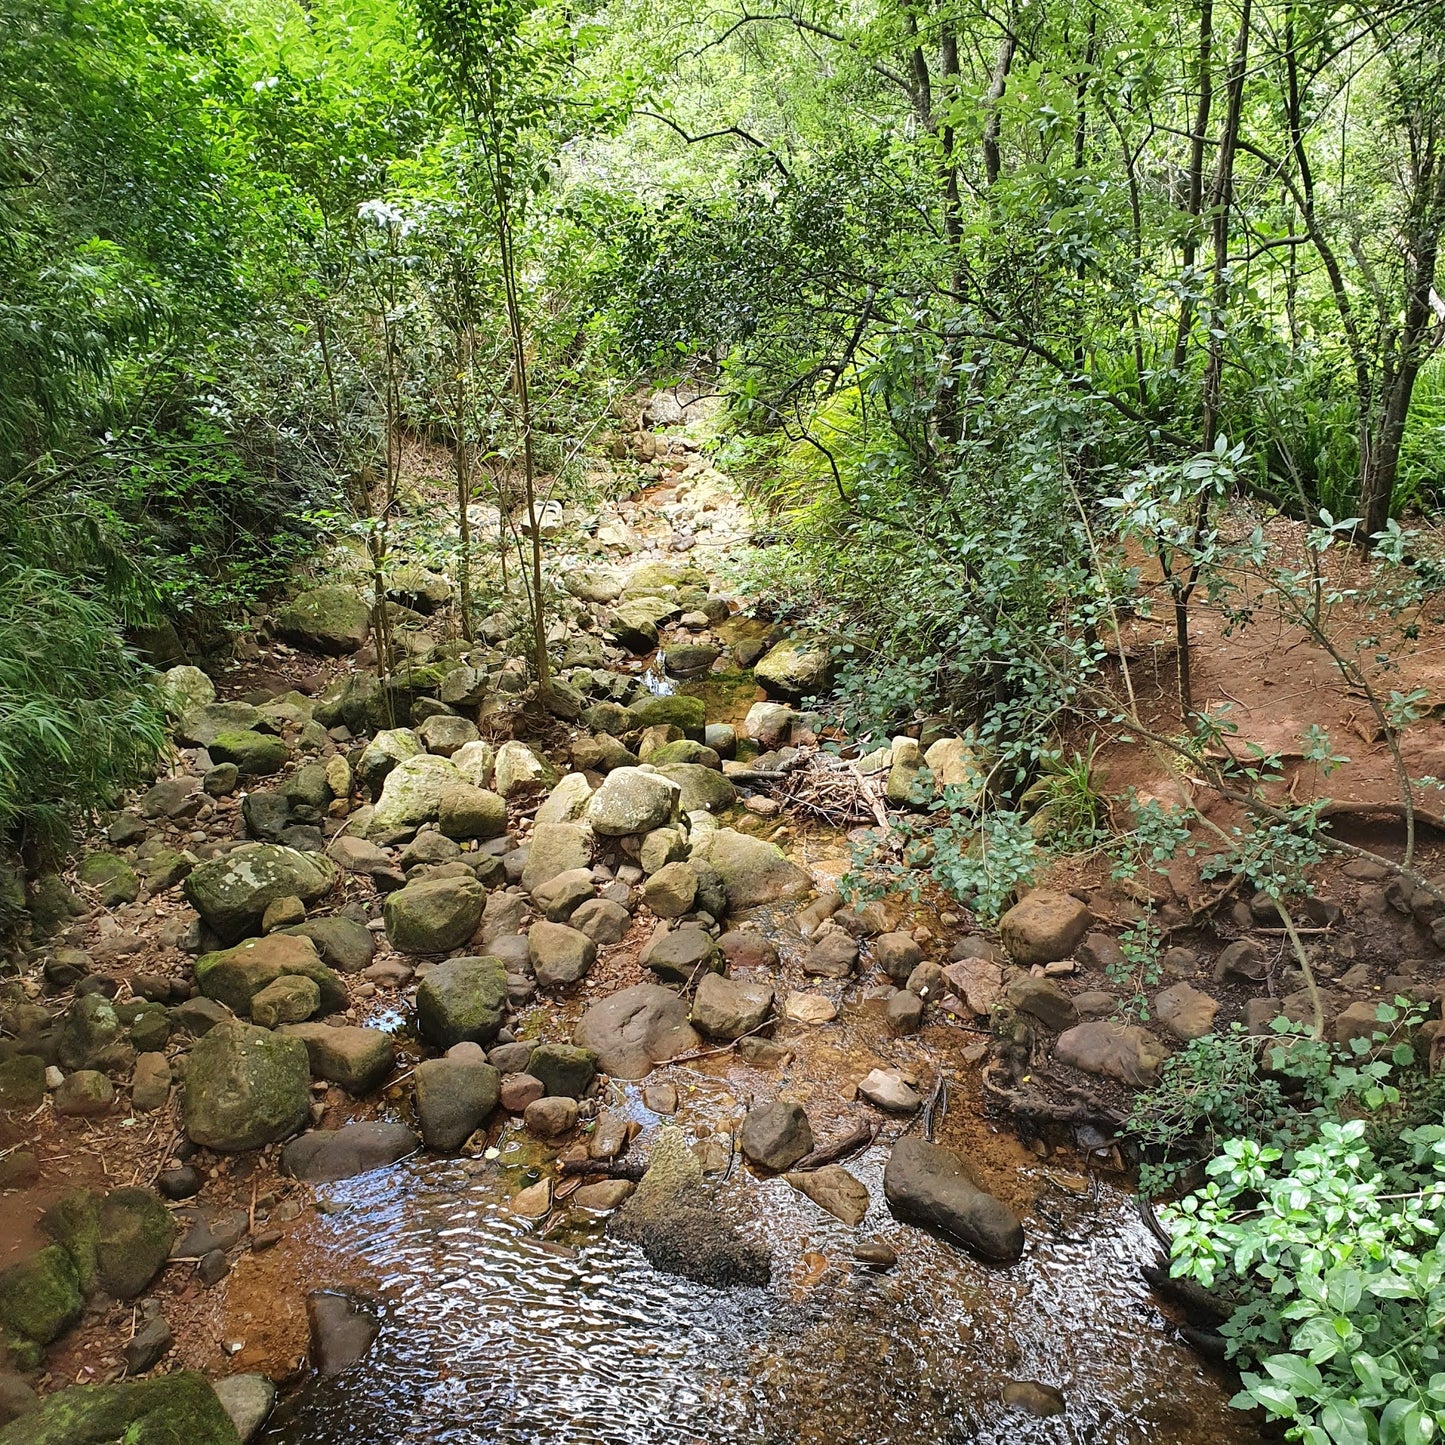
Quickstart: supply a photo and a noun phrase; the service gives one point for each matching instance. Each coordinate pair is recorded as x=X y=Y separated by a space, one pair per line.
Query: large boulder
x=434 y=914
x=343 y=943
x=234 y=976
x=752 y=871
x=678 y=711
x=518 y=769
x=255 y=755
x=328 y=1154
x=331 y=620
x=929 y=1185
x=1125 y=1052
x=565 y=1070
x=359 y=1059
x=703 y=789
x=462 y=1000
x=454 y=1098
x=680 y=1229
x=1044 y=926
x=467 y=812
x=794 y=669
x=567 y=802
x=412 y=795
x=232 y=892
x=164 y=1410
x=632 y=800
x=245 y=1087
x=635 y=1029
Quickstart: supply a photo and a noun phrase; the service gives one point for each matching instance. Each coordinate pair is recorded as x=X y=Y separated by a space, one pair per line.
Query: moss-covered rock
x=687 y=713
x=73 y=1222
x=256 y=755
x=464 y=999
x=245 y=1087
x=134 y=1236
x=40 y=1299
x=411 y=795
x=231 y=893
x=795 y=669
x=331 y=620
x=434 y=915
x=703 y=788
x=89 y=1031
x=234 y=976
x=111 y=876
x=177 y=1409
x=22 y=1082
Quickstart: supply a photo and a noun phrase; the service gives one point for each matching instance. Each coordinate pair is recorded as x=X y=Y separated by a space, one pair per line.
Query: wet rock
x=556 y=848
x=776 y=1135
x=888 y=1089
x=753 y=872
x=632 y=800
x=550 y=1117
x=795 y=669
x=565 y=1069
x=635 y=1029
x=1186 y=1012
x=85 y=1094
x=928 y=1185
x=674 y=1221
x=834 y=954
x=40 y=1297
x=602 y=1197
x=330 y=1154
x=1044 y=926
x=434 y=915
x=1124 y=1052
x=237 y=976
x=681 y=955
x=876 y=1253
x=245 y=1087
x=343 y=1329
x=248 y=1400
x=809 y=1008
x=359 y=1059
x=559 y=955
x=602 y=920
x=833 y=1188
x=727 y=1008
x=330 y=620
x=180 y=1406
x=1043 y=1000
x=1030 y=1397
x=231 y=893
x=462 y=999
x=147 y=1346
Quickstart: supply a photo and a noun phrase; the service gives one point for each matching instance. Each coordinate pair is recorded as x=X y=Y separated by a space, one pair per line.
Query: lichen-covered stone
x=245 y=1087
x=235 y=976
x=232 y=893
x=329 y=620
x=434 y=914
x=175 y=1409
x=464 y=999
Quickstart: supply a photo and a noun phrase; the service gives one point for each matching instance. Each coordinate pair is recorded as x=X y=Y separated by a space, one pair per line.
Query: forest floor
x=1037 y=1132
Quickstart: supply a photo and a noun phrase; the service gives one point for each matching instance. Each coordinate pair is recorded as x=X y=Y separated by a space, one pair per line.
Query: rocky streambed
x=423 y=1061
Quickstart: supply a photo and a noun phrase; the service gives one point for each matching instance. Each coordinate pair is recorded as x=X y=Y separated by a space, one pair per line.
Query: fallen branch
x=632 y=1169
x=720 y=1049
x=860 y=1136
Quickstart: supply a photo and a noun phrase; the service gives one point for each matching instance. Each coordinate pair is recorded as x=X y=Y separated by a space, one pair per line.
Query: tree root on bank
x=1030 y=1107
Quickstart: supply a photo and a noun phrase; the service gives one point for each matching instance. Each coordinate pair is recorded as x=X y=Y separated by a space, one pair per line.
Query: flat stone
x=330 y=1154
x=1124 y=1052
x=887 y=1089
x=1188 y=1013
x=929 y=1185
x=359 y=1059
x=833 y=1188
x=809 y=1008
x=635 y=1029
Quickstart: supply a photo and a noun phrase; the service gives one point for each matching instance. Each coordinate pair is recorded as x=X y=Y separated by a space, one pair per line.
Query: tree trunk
x=1195 y=203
